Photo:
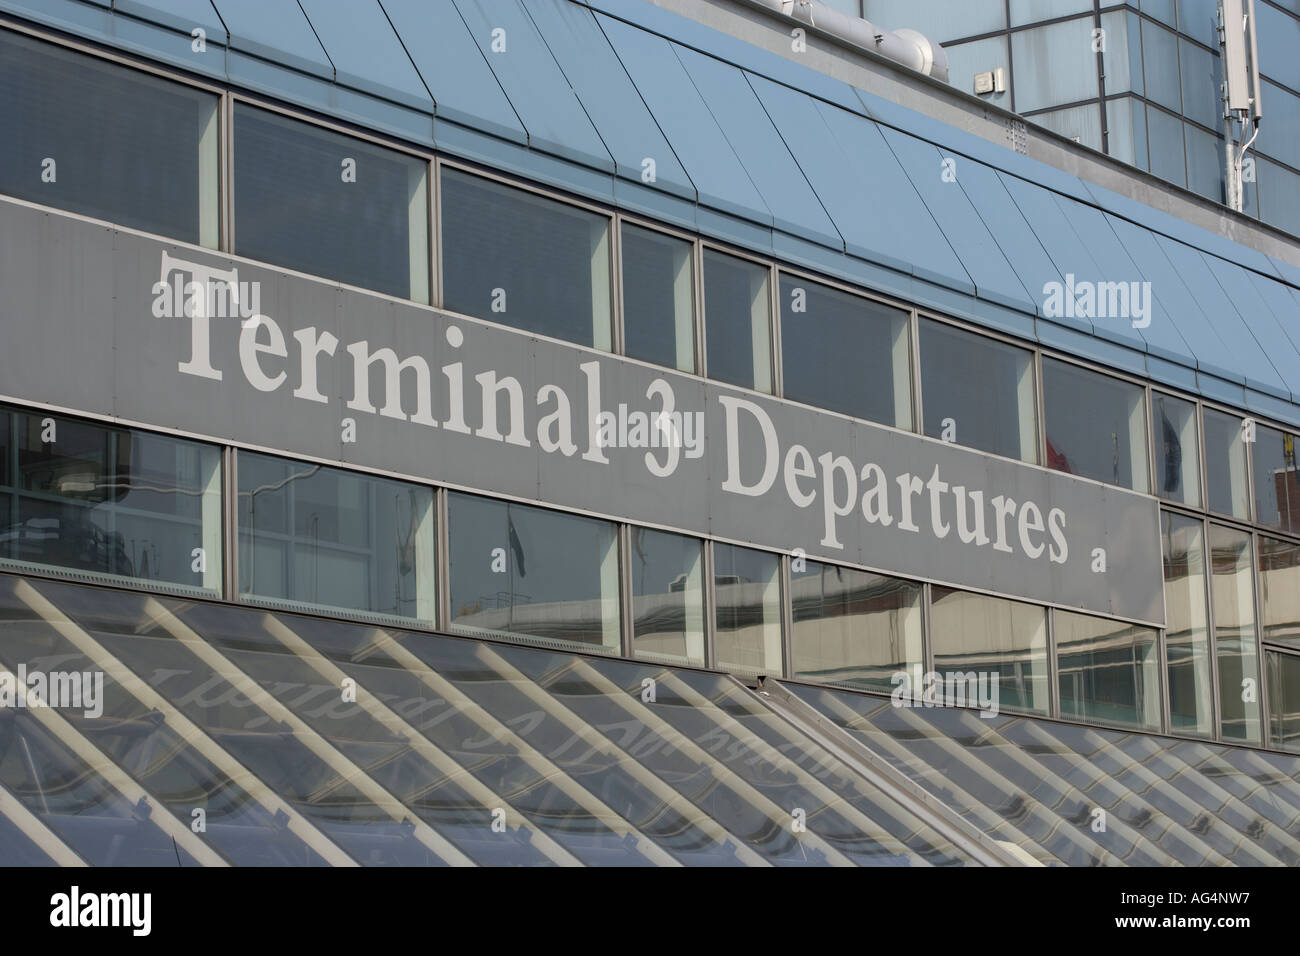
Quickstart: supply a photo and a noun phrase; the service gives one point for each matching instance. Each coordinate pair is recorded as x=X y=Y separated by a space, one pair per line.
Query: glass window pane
x=845 y=353
x=1178 y=456
x=325 y=537
x=1096 y=425
x=976 y=632
x=1054 y=64
x=977 y=391
x=747 y=594
x=1108 y=671
x=112 y=502
x=667 y=596
x=524 y=260
x=658 y=298
x=99 y=139
x=518 y=571
x=1284 y=700
x=1234 y=633
x=319 y=202
x=737 y=321
x=1187 y=626
x=1277 y=480
x=1279 y=590
x=1225 y=465
x=853 y=627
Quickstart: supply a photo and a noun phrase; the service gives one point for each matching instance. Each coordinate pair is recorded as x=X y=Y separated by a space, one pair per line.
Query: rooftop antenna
x=1240 y=93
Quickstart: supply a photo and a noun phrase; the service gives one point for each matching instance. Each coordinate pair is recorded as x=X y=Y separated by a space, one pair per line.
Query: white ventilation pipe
x=908 y=47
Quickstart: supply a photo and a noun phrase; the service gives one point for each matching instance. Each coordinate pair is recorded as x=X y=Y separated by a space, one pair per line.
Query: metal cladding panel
x=773 y=170
x=366 y=53
x=1242 y=359
x=935 y=177
x=541 y=96
x=862 y=186
x=275 y=30
x=1176 y=319
x=1068 y=253
x=452 y=67
x=1005 y=223
x=1037 y=784
x=611 y=100
x=698 y=143
x=1265 y=328
x=182 y=15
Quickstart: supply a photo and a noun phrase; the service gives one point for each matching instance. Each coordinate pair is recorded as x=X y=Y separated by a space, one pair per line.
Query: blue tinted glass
x=525 y=261
x=1096 y=425
x=107 y=501
x=658 y=298
x=1177 y=448
x=104 y=141
x=323 y=536
x=331 y=205
x=845 y=353
x=737 y=321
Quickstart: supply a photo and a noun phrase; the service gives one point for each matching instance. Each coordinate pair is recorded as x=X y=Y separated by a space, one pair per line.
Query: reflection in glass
x=988 y=635
x=737 y=321
x=126 y=147
x=332 y=538
x=1225 y=465
x=977 y=392
x=667 y=596
x=1234 y=633
x=524 y=260
x=845 y=353
x=110 y=501
x=747 y=593
x=1178 y=457
x=658 y=299
x=1187 y=626
x=1096 y=425
x=519 y=571
x=1277 y=480
x=853 y=627
x=1109 y=671
x=1279 y=590
x=330 y=205
x=1283 y=700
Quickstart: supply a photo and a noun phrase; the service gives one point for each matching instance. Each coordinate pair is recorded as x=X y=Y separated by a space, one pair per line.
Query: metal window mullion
x=709 y=599
x=1256 y=586
x=1040 y=397
x=1212 y=620
x=1053 y=666
x=927 y=628
x=617 y=335
x=787 y=617
x=626 y=635
x=777 y=370
x=434 y=232
x=229 y=524
x=442 y=560
x=697 y=290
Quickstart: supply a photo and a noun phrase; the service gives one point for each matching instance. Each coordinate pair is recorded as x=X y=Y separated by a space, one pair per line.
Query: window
x=975 y=632
x=1277 y=480
x=311 y=535
x=1284 y=700
x=852 y=627
x=110 y=502
x=667 y=596
x=1234 y=633
x=737 y=321
x=845 y=353
x=1279 y=590
x=1178 y=456
x=747 y=589
x=1108 y=671
x=658 y=298
x=1225 y=465
x=98 y=139
x=977 y=391
x=333 y=206
x=525 y=261
x=1096 y=425
x=1187 y=626
x=519 y=571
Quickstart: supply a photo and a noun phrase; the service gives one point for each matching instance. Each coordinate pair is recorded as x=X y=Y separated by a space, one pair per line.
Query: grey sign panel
x=108 y=322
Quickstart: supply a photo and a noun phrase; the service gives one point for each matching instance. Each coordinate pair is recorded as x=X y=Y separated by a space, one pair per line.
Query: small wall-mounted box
x=992 y=81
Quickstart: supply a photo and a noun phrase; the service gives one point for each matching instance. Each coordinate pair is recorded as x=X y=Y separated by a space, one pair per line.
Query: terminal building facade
x=620 y=433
